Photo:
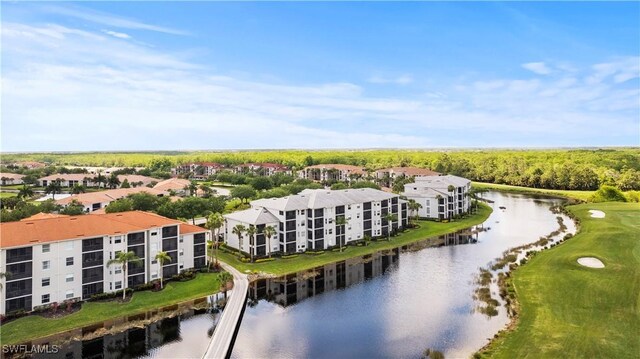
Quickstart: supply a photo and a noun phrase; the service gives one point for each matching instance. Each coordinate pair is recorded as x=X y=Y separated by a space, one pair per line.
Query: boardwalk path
x=224 y=334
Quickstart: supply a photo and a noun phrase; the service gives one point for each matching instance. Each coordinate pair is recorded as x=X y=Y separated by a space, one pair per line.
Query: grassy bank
x=34 y=326
x=580 y=195
x=571 y=311
x=306 y=261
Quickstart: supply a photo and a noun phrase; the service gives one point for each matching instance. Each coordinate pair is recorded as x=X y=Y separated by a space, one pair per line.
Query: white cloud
x=120 y=35
x=110 y=20
x=70 y=89
x=539 y=68
x=399 y=80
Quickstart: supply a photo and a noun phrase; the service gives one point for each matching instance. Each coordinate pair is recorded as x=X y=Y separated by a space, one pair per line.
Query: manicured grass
x=11 y=186
x=7 y=194
x=580 y=195
x=571 y=311
x=34 y=326
x=306 y=261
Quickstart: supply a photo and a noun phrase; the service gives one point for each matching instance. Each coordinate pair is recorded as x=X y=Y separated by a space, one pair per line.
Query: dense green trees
x=553 y=169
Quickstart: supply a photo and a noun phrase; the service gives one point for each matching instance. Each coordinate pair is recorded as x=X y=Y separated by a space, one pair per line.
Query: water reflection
x=164 y=332
x=422 y=299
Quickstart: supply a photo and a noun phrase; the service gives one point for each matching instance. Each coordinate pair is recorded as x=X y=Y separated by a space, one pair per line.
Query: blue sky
x=209 y=75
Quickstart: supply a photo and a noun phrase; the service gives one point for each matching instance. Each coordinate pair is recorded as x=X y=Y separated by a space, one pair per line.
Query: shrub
x=289 y=256
x=608 y=194
x=262 y=260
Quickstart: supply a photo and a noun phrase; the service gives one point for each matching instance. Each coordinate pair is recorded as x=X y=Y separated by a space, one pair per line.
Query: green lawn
x=571 y=311
x=7 y=194
x=581 y=195
x=306 y=261
x=32 y=327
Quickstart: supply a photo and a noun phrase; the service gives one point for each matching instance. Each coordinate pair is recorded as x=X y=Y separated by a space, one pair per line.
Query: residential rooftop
x=60 y=228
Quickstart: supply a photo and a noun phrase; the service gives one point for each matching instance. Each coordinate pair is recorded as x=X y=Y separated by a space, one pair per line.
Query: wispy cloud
x=399 y=80
x=110 y=20
x=120 y=35
x=539 y=68
x=71 y=89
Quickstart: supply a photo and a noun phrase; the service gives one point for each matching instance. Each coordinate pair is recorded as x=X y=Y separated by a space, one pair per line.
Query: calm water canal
x=391 y=304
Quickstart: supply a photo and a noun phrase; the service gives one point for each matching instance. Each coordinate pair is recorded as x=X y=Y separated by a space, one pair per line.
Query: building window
x=154 y=262
x=181 y=265
x=117 y=239
x=181 y=239
x=154 y=275
x=46 y=248
x=118 y=285
x=117 y=270
x=69 y=245
x=69 y=278
x=154 y=233
x=45 y=298
x=46 y=264
x=69 y=294
x=46 y=282
x=69 y=261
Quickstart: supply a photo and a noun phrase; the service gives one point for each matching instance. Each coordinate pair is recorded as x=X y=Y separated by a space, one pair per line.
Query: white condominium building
x=441 y=197
x=307 y=221
x=332 y=173
x=59 y=258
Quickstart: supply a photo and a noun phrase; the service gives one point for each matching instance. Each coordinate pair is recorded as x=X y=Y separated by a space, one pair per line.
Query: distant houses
x=332 y=173
x=261 y=169
x=203 y=170
x=94 y=201
x=89 y=180
x=388 y=176
x=197 y=170
x=440 y=197
x=316 y=220
x=8 y=179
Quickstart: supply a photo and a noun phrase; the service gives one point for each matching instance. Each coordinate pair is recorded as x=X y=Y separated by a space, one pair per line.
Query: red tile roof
x=34 y=231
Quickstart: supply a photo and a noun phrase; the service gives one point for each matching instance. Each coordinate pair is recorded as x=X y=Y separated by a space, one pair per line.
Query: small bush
x=289 y=256
x=262 y=260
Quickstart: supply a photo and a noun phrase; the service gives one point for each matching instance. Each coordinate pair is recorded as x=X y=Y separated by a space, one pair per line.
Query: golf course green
x=571 y=311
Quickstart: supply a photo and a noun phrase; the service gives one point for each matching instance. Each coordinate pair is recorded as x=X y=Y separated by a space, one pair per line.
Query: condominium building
x=262 y=169
x=54 y=259
x=198 y=170
x=307 y=221
x=441 y=197
x=332 y=173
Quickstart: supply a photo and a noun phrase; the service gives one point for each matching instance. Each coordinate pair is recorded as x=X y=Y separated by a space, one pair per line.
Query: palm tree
x=239 y=230
x=25 y=192
x=214 y=223
x=99 y=179
x=193 y=188
x=341 y=221
x=251 y=233
x=4 y=275
x=53 y=187
x=414 y=207
x=162 y=258
x=113 y=181
x=390 y=218
x=123 y=259
x=269 y=231
x=77 y=189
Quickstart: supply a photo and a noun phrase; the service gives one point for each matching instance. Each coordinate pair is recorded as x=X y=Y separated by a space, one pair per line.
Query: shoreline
x=306 y=261
x=34 y=320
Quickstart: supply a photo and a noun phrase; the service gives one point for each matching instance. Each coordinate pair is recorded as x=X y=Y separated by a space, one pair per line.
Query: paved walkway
x=223 y=336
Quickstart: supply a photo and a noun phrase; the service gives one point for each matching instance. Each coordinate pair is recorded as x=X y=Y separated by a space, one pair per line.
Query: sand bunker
x=591 y=262
x=596 y=214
